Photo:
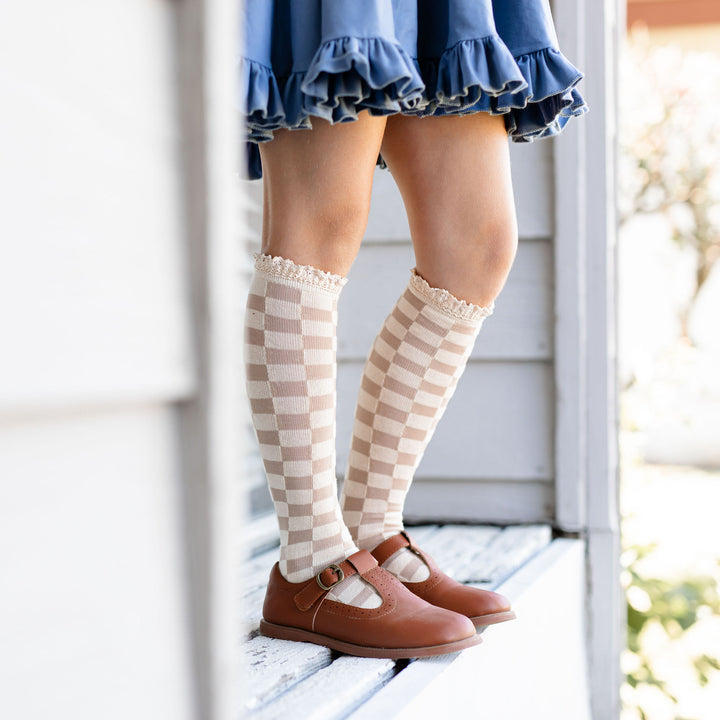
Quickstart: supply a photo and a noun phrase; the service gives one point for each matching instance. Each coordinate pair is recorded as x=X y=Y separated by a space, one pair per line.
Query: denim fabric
x=333 y=58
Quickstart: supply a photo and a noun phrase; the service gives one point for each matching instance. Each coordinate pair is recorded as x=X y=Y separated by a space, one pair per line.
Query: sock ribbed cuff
x=279 y=268
x=445 y=302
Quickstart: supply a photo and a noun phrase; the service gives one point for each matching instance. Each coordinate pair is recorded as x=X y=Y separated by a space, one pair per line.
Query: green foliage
x=674 y=606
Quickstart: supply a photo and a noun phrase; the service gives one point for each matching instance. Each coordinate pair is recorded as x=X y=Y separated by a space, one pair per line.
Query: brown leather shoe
x=483 y=607
x=404 y=626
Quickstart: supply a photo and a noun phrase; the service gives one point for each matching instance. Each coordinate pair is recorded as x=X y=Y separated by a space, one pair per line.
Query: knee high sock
x=409 y=377
x=290 y=349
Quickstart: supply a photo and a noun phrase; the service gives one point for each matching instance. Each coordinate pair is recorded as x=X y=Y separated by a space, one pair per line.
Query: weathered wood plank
x=253 y=586
x=331 y=693
x=251 y=614
x=255 y=571
x=455 y=547
x=506 y=552
x=254 y=575
x=422 y=533
x=485 y=554
x=261 y=534
x=274 y=665
x=520 y=328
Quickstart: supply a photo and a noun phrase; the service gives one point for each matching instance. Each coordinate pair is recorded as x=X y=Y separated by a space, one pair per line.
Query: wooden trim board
x=533 y=666
x=503 y=502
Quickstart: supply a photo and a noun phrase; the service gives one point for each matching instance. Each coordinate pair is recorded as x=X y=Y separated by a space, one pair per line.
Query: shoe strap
x=358 y=563
x=387 y=548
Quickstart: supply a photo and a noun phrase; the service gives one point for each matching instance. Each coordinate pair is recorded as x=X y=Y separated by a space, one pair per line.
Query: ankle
x=370 y=540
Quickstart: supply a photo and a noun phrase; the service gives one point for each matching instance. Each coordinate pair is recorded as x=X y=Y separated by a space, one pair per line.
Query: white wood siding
x=519 y=331
x=91 y=209
x=93 y=607
x=119 y=448
x=586 y=437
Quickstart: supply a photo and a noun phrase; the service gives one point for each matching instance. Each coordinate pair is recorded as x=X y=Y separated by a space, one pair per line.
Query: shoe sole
x=482 y=621
x=284 y=632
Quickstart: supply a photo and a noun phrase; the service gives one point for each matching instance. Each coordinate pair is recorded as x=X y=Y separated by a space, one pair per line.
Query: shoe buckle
x=338 y=573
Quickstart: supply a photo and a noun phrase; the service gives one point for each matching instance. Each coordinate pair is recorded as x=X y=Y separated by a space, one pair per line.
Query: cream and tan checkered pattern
x=409 y=377
x=290 y=349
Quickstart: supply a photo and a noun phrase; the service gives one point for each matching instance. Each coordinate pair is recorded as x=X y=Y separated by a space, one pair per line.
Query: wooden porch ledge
x=541 y=576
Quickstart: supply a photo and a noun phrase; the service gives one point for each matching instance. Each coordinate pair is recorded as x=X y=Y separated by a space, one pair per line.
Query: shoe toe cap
x=495 y=602
x=474 y=602
x=448 y=626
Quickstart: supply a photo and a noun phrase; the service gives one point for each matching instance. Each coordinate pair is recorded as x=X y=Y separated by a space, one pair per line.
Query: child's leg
x=317 y=185
x=454 y=176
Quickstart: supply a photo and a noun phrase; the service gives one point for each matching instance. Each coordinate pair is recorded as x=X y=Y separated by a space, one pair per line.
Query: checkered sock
x=290 y=347
x=409 y=377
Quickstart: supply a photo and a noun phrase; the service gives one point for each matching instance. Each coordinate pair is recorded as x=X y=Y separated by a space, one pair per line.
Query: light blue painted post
x=586 y=432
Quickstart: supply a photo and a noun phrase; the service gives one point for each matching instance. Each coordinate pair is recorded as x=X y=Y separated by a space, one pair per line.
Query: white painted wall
x=93 y=613
x=91 y=208
x=119 y=451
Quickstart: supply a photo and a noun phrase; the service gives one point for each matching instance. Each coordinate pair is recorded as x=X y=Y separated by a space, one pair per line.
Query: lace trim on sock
x=446 y=302
x=307 y=274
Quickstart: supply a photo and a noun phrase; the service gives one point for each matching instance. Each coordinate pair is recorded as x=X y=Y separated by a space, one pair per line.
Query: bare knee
x=497 y=243
x=339 y=220
x=472 y=261
x=487 y=263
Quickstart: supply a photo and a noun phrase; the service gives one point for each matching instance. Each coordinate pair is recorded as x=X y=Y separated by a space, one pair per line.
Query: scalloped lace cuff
x=446 y=302
x=279 y=267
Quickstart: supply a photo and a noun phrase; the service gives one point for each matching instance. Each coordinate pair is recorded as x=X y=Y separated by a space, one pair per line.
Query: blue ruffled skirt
x=333 y=58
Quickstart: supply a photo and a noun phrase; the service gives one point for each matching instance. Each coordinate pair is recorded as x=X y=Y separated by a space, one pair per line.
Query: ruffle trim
x=535 y=91
x=278 y=267
x=468 y=76
x=353 y=73
x=345 y=76
x=550 y=99
x=446 y=302
x=539 y=97
x=264 y=107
